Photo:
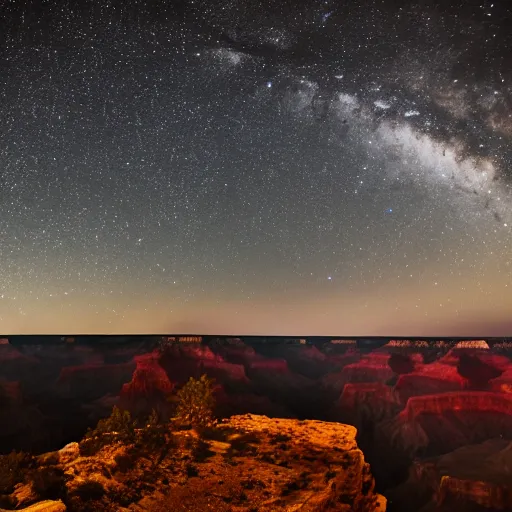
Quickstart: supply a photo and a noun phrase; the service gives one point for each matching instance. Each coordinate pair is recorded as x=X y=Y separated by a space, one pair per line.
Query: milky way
x=235 y=167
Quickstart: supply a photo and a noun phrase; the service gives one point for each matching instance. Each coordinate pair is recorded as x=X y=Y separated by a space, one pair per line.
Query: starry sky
x=243 y=167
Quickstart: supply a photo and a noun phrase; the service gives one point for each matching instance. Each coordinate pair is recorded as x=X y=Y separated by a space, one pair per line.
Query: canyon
x=420 y=410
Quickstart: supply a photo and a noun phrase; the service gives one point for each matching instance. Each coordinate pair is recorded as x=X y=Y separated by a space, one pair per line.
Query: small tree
x=196 y=403
x=119 y=426
x=119 y=423
x=155 y=438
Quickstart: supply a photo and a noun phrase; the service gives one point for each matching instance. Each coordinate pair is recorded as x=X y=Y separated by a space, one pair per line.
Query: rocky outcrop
x=43 y=506
x=183 y=361
x=472 y=475
x=148 y=389
x=373 y=368
x=365 y=404
x=334 y=473
x=430 y=379
x=268 y=463
x=478 y=401
x=445 y=422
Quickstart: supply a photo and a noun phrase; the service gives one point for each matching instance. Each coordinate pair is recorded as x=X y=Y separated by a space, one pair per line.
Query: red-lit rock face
x=182 y=362
x=148 y=389
x=430 y=379
x=444 y=422
x=471 y=401
x=374 y=369
x=275 y=365
x=363 y=404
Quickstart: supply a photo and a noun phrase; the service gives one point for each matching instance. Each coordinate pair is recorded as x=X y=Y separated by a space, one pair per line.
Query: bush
x=13 y=467
x=153 y=435
x=119 y=426
x=154 y=438
x=196 y=403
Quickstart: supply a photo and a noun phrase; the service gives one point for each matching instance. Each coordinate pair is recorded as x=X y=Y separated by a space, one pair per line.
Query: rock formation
x=472 y=475
x=441 y=423
x=148 y=389
x=256 y=463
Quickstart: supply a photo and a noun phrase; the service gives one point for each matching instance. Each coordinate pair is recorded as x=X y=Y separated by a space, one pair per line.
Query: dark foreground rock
x=472 y=477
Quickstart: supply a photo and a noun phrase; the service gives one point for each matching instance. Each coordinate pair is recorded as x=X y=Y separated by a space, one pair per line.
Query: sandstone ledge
x=325 y=454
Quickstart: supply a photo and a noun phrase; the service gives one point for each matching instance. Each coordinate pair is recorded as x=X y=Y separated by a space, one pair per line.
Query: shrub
x=119 y=426
x=196 y=403
x=154 y=439
x=153 y=435
x=13 y=467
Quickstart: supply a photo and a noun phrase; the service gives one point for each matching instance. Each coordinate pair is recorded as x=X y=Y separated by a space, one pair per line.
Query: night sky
x=236 y=167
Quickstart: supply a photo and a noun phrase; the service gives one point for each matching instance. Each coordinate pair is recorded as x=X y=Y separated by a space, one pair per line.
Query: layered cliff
x=148 y=389
x=474 y=475
x=444 y=422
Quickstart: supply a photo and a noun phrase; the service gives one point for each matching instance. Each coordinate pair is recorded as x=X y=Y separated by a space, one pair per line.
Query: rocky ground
x=252 y=463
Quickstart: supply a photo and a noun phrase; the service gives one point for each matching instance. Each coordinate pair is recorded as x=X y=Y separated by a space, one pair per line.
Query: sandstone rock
x=337 y=472
x=430 y=379
x=148 y=389
x=69 y=453
x=24 y=495
x=44 y=506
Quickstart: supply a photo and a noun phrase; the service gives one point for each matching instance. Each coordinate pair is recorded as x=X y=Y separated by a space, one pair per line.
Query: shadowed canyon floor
x=424 y=414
